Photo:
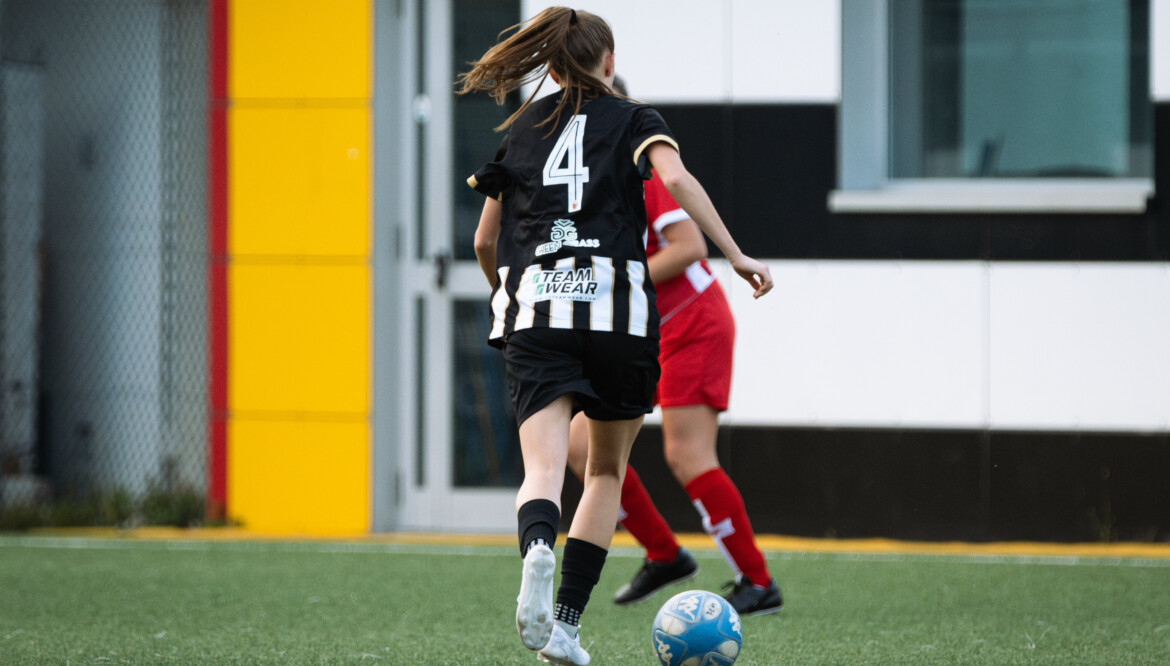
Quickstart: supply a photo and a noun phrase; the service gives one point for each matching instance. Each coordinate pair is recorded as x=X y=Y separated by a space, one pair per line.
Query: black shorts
x=612 y=375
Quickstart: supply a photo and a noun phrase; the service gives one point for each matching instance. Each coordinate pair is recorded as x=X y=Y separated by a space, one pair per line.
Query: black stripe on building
x=769 y=170
x=930 y=485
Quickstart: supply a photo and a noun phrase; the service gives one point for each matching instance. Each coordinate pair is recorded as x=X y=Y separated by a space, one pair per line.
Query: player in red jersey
x=697 y=336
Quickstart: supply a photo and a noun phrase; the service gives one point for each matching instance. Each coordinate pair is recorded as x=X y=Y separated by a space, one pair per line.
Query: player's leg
x=590 y=534
x=666 y=561
x=578 y=445
x=605 y=468
x=689 y=435
x=637 y=512
x=544 y=444
x=545 y=375
x=622 y=371
x=689 y=438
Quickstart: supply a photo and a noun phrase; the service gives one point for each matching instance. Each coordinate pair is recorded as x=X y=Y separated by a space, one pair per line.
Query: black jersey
x=571 y=251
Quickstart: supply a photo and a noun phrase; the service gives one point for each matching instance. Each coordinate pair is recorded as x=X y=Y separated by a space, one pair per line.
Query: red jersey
x=679 y=291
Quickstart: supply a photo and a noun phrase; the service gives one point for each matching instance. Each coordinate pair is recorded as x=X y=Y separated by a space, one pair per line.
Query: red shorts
x=696 y=350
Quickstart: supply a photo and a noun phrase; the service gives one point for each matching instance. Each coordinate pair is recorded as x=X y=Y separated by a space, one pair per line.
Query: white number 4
x=568 y=151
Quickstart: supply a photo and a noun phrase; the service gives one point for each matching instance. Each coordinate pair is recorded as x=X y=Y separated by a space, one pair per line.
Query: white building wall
x=1080 y=347
x=1012 y=346
x=862 y=344
x=737 y=50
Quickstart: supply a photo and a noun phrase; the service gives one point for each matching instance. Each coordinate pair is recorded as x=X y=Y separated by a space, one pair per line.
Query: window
x=1013 y=105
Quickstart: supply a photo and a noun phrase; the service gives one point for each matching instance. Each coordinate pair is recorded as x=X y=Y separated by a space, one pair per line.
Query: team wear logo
x=577 y=285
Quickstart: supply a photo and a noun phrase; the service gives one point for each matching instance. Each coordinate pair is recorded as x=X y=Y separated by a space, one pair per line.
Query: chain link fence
x=103 y=257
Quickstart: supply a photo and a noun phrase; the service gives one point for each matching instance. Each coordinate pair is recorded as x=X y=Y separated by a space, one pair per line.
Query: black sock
x=581 y=567
x=538 y=520
x=568 y=615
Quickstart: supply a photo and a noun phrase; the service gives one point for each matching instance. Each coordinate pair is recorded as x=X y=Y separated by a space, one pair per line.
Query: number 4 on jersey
x=568 y=152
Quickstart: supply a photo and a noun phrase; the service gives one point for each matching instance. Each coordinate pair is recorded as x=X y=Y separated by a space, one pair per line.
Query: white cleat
x=564 y=650
x=534 y=606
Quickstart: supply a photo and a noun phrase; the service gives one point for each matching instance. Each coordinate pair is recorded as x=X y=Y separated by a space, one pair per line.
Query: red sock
x=725 y=519
x=641 y=518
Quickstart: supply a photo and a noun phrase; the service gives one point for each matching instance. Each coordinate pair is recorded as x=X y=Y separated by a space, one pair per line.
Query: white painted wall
x=860 y=343
x=1080 y=347
x=1027 y=346
x=737 y=50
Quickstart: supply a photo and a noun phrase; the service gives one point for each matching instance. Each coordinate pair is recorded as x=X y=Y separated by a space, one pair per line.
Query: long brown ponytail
x=569 y=42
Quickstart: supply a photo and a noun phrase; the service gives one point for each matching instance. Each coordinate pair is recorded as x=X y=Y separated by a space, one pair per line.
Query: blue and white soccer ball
x=696 y=628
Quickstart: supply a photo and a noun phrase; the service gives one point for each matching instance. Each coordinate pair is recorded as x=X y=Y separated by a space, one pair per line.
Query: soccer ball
x=696 y=628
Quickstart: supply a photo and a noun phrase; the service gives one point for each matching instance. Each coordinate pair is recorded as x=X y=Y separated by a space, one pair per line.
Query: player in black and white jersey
x=572 y=255
x=560 y=240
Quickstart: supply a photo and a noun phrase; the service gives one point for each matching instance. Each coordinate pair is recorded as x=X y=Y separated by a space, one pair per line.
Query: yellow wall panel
x=299 y=338
x=299 y=477
x=299 y=279
x=299 y=181
x=299 y=48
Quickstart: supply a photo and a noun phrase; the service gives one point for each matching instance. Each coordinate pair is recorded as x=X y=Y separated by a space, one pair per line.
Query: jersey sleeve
x=493 y=179
x=648 y=127
x=661 y=208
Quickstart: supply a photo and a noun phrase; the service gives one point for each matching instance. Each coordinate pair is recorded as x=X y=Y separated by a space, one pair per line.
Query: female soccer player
x=560 y=240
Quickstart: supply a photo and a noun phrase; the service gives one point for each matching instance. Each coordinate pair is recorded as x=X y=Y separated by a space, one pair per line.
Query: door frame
x=416 y=283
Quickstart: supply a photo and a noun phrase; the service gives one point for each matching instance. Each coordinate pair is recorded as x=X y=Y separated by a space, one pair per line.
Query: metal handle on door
x=442 y=262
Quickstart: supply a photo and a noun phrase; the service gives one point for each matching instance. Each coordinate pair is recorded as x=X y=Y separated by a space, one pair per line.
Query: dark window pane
x=487 y=446
x=1019 y=89
x=477 y=26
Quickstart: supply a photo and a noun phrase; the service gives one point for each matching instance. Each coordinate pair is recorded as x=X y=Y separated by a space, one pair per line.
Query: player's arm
x=487 y=235
x=684 y=246
x=689 y=194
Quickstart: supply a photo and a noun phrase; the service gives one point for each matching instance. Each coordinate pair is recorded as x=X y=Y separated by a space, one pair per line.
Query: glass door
x=457 y=457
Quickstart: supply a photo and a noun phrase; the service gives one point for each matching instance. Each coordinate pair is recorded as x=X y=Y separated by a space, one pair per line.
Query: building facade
x=961 y=203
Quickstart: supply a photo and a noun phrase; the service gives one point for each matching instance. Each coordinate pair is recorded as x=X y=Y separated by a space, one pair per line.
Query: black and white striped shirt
x=571 y=251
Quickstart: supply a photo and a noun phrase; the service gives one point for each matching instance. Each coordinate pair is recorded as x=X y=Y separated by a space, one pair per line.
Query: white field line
x=82 y=543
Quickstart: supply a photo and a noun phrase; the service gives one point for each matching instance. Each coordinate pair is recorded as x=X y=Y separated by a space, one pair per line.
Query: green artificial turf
x=85 y=601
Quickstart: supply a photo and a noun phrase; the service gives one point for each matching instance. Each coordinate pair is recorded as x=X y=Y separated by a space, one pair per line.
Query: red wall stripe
x=218 y=260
